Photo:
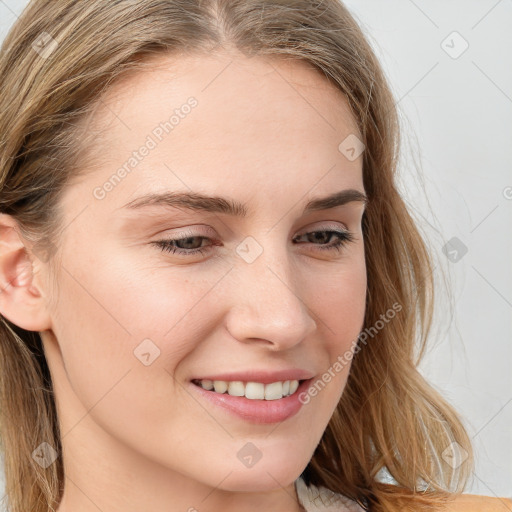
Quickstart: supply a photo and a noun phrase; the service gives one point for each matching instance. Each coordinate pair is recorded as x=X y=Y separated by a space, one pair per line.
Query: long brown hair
x=389 y=418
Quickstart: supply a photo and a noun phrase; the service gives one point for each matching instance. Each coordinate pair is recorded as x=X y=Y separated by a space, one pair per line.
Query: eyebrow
x=217 y=204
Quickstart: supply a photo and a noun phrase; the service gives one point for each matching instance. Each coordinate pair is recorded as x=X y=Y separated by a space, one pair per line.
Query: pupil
x=321 y=236
x=188 y=241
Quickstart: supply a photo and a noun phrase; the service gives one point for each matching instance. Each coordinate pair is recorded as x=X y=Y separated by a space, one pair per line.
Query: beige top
x=320 y=499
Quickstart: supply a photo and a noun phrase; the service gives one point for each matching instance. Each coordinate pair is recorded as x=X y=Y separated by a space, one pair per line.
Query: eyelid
x=188 y=231
x=324 y=227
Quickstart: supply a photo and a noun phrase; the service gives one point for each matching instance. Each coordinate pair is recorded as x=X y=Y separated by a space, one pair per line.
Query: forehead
x=255 y=121
x=225 y=82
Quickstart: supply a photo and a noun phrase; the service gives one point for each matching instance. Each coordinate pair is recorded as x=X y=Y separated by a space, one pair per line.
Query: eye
x=343 y=238
x=184 y=246
x=193 y=244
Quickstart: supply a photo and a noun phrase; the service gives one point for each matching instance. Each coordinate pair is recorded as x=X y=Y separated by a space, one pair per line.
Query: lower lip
x=257 y=411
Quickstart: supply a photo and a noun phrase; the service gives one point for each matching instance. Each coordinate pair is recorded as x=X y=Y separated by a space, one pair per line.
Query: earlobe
x=21 y=300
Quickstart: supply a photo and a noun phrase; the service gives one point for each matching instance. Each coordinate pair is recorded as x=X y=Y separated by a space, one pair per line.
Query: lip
x=255 y=411
x=263 y=376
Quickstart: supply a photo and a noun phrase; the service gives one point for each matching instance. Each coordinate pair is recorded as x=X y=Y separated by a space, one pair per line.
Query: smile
x=251 y=390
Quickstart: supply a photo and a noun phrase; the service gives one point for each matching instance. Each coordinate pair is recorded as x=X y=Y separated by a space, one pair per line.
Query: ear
x=21 y=295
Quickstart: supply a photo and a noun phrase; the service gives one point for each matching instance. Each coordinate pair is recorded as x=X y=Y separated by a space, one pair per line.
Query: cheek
x=121 y=336
x=339 y=302
x=341 y=310
x=116 y=315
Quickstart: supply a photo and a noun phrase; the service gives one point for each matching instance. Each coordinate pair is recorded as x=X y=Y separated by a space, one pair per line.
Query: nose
x=267 y=305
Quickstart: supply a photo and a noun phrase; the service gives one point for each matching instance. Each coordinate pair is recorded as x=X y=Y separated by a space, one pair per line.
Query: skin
x=265 y=132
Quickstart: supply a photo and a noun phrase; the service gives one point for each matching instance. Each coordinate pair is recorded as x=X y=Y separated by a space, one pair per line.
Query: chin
x=261 y=478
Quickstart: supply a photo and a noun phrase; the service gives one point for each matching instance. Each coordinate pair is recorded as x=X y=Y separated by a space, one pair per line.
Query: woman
x=212 y=292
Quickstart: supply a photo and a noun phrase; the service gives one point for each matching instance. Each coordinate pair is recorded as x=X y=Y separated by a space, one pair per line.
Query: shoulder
x=464 y=503
x=319 y=499
x=475 y=503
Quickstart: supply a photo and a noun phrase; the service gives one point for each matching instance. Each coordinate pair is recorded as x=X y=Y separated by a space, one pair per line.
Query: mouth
x=251 y=390
x=253 y=402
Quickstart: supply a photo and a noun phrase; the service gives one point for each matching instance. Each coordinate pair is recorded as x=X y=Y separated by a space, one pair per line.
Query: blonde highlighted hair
x=389 y=418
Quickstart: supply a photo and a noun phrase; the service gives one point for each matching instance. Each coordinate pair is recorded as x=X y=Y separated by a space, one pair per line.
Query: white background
x=457 y=164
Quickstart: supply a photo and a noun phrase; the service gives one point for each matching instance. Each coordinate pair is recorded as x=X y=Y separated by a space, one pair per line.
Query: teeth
x=294 y=384
x=207 y=384
x=236 y=388
x=255 y=390
x=252 y=390
x=220 y=386
x=274 y=391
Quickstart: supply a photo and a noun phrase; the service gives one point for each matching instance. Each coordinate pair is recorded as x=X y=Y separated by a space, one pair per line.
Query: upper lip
x=263 y=376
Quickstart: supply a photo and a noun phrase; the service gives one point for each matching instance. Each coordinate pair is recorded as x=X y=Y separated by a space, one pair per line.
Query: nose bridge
x=267 y=303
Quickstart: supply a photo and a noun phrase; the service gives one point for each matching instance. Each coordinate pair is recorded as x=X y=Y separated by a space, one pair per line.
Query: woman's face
x=134 y=323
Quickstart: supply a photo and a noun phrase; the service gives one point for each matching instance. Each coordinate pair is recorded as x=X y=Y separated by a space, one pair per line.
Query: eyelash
x=344 y=237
